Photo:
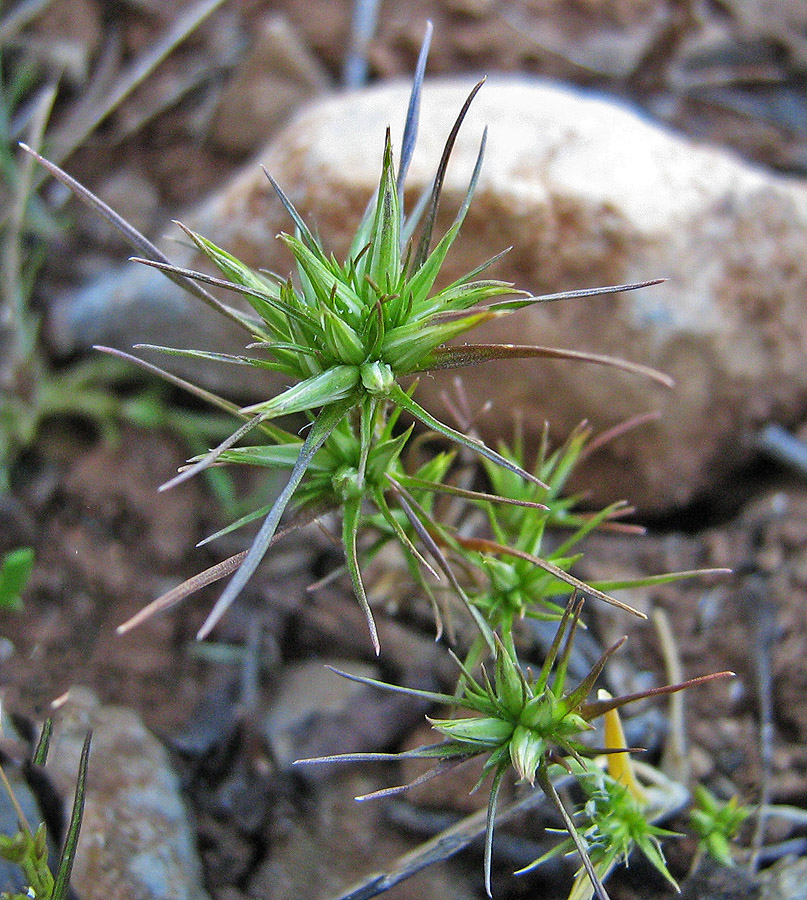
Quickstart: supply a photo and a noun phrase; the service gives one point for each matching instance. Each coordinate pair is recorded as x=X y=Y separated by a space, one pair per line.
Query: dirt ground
x=107 y=542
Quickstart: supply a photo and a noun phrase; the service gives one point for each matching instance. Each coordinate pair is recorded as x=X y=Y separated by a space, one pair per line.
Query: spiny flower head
x=515 y=720
x=345 y=334
x=529 y=576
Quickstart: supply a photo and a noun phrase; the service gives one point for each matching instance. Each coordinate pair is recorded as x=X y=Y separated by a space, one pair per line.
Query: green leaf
x=421 y=258
x=209 y=458
x=490 y=819
x=74 y=827
x=431 y=696
x=409 y=347
x=652 y=850
x=345 y=346
x=412 y=482
x=570 y=295
x=281 y=456
x=426 y=274
x=239 y=523
x=269 y=303
x=296 y=217
x=652 y=580
x=413 y=112
x=473 y=354
x=351 y=518
x=409 y=549
x=485 y=730
x=384 y=265
x=209 y=356
x=40 y=756
x=485 y=546
x=229 y=266
x=461 y=296
x=135 y=238
x=15 y=570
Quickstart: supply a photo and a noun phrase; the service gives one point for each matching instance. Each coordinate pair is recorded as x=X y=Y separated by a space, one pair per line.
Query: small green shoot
x=15 y=570
x=716 y=824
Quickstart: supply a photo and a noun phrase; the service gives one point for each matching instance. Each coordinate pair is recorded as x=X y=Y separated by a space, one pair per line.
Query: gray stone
x=786 y=880
x=307 y=691
x=337 y=843
x=136 y=842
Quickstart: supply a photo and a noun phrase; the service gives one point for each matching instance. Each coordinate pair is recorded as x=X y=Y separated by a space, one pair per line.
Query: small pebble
x=136 y=839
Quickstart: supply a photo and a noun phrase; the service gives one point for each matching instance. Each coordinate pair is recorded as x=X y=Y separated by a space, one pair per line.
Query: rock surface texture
x=587 y=193
x=136 y=842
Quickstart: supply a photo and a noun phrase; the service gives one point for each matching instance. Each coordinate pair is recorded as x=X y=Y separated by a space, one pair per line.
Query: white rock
x=588 y=193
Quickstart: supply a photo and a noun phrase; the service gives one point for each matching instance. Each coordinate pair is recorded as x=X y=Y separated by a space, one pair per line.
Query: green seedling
x=716 y=824
x=15 y=570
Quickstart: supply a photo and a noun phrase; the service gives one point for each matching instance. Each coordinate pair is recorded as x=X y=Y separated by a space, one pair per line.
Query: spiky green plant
x=528 y=723
x=346 y=336
x=529 y=576
x=346 y=474
x=716 y=824
x=347 y=333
